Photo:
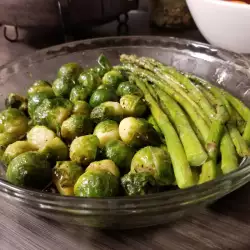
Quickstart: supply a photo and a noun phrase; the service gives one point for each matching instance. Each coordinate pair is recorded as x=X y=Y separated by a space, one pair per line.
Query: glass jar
x=170 y=14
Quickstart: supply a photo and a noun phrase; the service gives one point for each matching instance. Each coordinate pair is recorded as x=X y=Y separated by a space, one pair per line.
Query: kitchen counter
x=224 y=225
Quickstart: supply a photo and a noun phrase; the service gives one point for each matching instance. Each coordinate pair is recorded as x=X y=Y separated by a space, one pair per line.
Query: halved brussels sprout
x=75 y=126
x=102 y=95
x=157 y=162
x=89 y=80
x=133 y=105
x=15 y=149
x=113 y=78
x=70 y=71
x=81 y=108
x=107 y=131
x=137 y=132
x=97 y=183
x=17 y=101
x=79 y=93
x=107 y=110
x=106 y=165
x=83 y=150
x=65 y=174
x=128 y=88
x=29 y=170
x=62 y=87
x=41 y=87
x=52 y=112
x=120 y=153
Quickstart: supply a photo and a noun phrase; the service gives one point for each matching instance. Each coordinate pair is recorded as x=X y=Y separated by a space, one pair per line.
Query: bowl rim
x=127 y=202
x=231 y=4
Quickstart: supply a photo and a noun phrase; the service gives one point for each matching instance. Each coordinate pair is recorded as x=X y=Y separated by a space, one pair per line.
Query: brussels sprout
x=41 y=87
x=70 y=71
x=133 y=105
x=89 y=80
x=100 y=71
x=104 y=62
x=62 y=86
x=155 y=161
x=55 y=150
x=107 y=131
x=29 y=170
x=39 y=136
x=81 y=108
x=15 y=149
x=14 y=122
x=17 y=101
x=98 y=183
x=138 y=184
x=79 y=93
x=83 y=149
x=64 y=176
x=101 y=96
x=52 y=112
x=137 y=132
x=120 y=153
x=107 y=110
x=106 y=165
x=128 y=88
x=76 y=125
x=6 y=139
x=108 y=87
x=113 y=78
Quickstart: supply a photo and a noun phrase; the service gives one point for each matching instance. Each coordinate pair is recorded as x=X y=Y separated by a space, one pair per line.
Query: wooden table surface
x=224 y=225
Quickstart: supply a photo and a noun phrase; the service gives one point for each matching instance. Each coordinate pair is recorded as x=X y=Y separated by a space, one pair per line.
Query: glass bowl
x=226 y=69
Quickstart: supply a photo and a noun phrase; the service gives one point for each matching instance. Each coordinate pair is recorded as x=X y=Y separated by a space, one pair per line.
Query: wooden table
x=225 y=225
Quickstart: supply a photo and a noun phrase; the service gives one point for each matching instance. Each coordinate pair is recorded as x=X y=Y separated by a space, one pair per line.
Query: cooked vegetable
x=76 y=125
x=79 y=93
x=113 y=78
x=106 y=131
x=107 y=110
x=89 y=80
x=62 y=86
x=128 y=88
x=65 y=174
x=81 y=108
x=101 y=96
x=29 y=170
x=104 y=62
x=83 y=150
x=17 y=101
x=137 y=132
x=41 y=87
x=70 y=71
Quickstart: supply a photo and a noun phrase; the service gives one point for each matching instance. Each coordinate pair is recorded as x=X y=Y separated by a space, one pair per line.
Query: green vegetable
x=89 y=80
x=120 y=153
x=106 y=131
x=17 y=101
x=102 y=95
x=107 y=110
x=70 y=71
x=104 y=62
x=62 y=87
x=113 y=78
x=133 y=105
x=76 y=125
x=29 y=170
x=65 y=174
x=137 y=132
x=83 y=150
x=81 y=108
x=128 y=88
x=41 y=87
x=79 y=93
x=152 y=121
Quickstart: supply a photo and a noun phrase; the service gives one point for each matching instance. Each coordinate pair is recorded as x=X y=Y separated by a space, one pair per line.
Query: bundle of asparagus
x=203 y=125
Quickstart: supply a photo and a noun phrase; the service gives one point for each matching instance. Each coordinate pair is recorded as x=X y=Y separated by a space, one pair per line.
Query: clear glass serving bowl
x=226 y=69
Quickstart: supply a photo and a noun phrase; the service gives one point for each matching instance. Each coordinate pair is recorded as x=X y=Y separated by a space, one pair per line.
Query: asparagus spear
x=182 y=170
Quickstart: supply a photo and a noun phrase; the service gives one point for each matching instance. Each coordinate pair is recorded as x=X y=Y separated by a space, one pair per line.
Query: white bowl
x=223 y=24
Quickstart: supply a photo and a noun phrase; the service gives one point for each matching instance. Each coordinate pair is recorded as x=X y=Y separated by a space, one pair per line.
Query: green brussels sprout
x=81 y=108
x=137 y=132
x=108 y=87
x=104 y=62
x=107 y=110
x=55 y=150
x=107 y=131
x=63 y=86
x=15 y=149
x=113 y=78
x=141 y=183
x=155 y=161
x=70 y=71
x=89 y=80
x=39 y=136
x=120 y=153
x=14 y=122
x=83 y=149
x=98 y=183
x=79 y=93
x=52 y=112
x=98 y=70
x=64 y=176
x=75 y=126
x=128 y=88
x=29 y=170
x=17 y=101
x=6 y=139
x=106 y=165
x=101 y=96
x=41 y=87
x=133 y=105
